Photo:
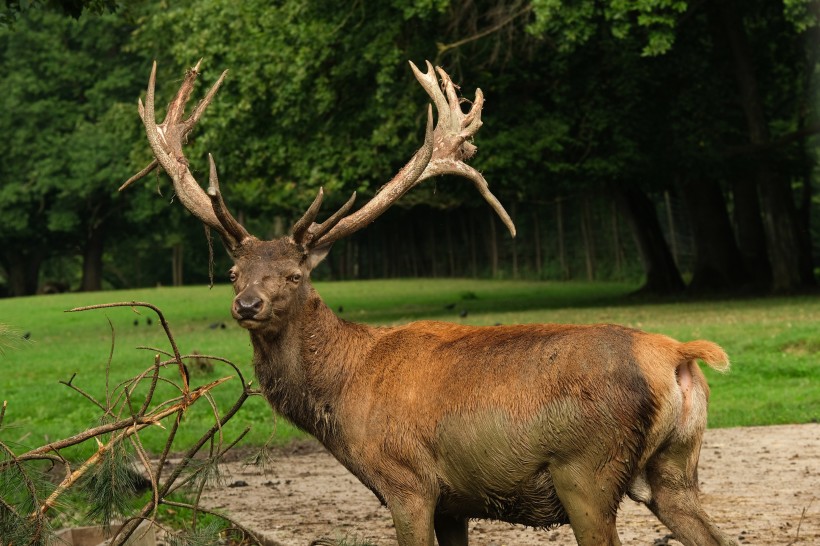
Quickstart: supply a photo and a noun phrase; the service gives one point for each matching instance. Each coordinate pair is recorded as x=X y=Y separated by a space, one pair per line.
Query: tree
x=611 y=101
x=342 y=112
x=68 y=133
x=15 y=9
x=744 y=37
x=787 y=244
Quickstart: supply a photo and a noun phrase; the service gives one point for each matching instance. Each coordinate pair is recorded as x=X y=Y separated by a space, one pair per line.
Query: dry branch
x=141 y=414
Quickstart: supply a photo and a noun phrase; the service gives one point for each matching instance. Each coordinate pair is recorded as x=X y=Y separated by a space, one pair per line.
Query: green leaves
x=573 y=24
x=317 y=96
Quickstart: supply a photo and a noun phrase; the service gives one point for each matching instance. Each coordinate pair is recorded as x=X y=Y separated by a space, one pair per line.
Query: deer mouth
x=250 y=323
x=258 y=321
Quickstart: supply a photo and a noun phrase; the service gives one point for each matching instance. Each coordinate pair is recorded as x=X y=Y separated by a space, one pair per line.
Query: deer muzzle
x=246 y=306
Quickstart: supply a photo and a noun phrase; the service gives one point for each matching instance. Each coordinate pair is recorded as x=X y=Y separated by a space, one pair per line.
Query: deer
x=535 y=424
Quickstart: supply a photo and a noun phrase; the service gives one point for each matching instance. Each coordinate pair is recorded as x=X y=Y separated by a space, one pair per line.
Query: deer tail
x=710 y=353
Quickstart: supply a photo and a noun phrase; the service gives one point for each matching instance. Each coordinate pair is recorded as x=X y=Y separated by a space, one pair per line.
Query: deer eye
x=232 y=275
x=295 y=277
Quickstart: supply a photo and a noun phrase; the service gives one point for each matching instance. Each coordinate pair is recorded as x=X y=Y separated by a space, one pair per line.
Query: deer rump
x=479 y=416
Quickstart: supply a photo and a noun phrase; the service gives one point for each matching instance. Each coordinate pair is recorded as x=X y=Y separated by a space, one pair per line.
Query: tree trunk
x=514 y=246
x=355 y=262
x=177 y=264
x=451 y=249
x=93 y=260
x=718 y=262
x=492 y=245
x=662 y=275
x=617 y=248
x=670 y=222
x=469 y=237
x=386 y=254
x=586 y=235
x=749 y=231
x=431 y=231
x=789 y=256
x=559 y=222
x=413 y=255
x=536 y=231
x=22 y=271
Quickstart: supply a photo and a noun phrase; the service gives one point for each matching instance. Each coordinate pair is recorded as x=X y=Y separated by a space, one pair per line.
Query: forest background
x=668 y=142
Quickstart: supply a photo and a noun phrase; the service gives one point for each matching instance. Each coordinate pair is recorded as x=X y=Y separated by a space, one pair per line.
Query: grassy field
x=774 y=344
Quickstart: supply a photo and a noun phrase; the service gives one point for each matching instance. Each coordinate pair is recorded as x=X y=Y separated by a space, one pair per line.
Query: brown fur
x=540 y=424
x=533 y=424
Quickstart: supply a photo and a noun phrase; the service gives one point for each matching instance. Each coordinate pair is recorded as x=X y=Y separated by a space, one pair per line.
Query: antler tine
x=176 y=108
x=472 y=121
x=205 y=102
x=166 y=140
x=430 y=84
x=143 y=173
x=234 y=228
x=150 y=121
x=301 y=226
x=453 y=101
x=405 y=179
x=459 y=168
x=320 y=229
x=444 y=151
x=453 y=148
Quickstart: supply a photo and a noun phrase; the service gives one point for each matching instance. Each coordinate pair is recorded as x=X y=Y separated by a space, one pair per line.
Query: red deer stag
x=538 y=425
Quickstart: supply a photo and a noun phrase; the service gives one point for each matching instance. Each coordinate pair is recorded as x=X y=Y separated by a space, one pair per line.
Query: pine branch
x=125 y=432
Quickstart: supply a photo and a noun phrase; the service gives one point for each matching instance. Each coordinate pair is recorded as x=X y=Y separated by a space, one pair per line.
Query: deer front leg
x=413 y=520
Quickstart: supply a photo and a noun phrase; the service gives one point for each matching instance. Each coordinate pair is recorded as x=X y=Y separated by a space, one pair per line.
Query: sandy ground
x=760 y=484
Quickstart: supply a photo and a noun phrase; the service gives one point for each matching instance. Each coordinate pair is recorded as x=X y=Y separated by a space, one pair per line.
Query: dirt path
x=761 y=484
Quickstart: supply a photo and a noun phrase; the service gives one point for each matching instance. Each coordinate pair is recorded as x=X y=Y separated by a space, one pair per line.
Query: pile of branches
x=109 y=477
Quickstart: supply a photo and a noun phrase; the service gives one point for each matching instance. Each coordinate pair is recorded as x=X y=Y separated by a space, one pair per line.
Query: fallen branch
x=31 y=515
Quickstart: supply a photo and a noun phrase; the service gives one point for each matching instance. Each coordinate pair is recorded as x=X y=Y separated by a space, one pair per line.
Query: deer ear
x=316 y=255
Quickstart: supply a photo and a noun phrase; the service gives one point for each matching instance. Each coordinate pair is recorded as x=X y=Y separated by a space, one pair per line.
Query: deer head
x=271 y=278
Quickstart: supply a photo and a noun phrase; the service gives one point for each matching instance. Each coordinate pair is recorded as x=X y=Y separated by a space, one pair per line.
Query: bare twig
x=131 y=524
x=151 y=419
x=154 y=349
x=70 y=384
x=800 y=523
x=443 y=48
x=147 y=413
x=179 y=484
x=146 y=463
x=152 y=387
x=155 y=309
x=108 y=367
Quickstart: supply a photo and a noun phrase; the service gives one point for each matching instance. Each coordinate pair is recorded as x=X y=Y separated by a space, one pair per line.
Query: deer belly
x=492 y=466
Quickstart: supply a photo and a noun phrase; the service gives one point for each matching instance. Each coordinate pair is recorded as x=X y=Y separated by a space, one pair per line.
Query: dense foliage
x=690 y=124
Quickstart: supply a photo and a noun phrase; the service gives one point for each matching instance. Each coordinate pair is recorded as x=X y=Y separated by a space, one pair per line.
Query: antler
x=444 y=151
x=166 y=141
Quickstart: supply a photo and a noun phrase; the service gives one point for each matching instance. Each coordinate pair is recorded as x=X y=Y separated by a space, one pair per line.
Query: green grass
x=774 y=344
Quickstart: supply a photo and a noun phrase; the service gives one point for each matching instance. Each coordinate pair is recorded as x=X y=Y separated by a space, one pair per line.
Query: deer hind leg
x=450 y=531
x=590 y=502
x=672 y=478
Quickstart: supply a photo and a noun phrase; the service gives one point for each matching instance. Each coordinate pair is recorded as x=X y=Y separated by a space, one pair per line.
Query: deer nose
x=247 y=306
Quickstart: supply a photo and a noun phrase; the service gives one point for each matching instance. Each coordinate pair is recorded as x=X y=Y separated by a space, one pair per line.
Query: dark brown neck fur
x=304 y=369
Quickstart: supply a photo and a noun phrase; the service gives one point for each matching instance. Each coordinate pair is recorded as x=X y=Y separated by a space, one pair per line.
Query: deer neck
x=303 y=369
